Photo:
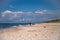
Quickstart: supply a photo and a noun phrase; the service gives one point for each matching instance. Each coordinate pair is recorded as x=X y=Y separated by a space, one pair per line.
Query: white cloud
x=20 y=16
x=20 y=12
x=45 y=10
x=13 y=14
x=26 y=19
x=29 y=13
x=6 y=12
x=41 y=11
x=17 y=13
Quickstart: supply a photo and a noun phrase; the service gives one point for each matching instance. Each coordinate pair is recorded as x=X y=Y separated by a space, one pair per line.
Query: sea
x=9 y=25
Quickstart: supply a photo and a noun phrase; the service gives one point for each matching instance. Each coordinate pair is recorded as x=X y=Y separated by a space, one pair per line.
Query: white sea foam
x=14 y=26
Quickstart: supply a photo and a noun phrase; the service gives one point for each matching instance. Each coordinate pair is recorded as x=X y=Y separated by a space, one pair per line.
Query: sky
x=22 y=11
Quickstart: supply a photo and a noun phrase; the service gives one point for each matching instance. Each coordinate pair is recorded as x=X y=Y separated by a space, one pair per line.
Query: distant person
x=30 y=23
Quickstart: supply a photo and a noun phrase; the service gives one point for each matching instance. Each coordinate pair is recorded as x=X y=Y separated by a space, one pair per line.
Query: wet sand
x=42 y=31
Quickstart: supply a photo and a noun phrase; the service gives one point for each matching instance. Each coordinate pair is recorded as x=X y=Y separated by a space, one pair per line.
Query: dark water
x=8 y=25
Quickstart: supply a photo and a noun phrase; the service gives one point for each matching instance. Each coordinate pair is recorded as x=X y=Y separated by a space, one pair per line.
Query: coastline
x=42 y=31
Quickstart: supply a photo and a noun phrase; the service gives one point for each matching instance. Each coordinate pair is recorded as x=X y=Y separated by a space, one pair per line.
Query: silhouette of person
x=30 y=23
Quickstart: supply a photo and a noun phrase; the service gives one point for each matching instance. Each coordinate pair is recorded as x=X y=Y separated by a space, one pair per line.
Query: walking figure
x=30 y=23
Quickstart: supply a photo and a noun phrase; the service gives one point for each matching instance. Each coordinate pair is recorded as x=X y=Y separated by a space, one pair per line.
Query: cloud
x=10 y=13
x=20 y=16
x=44 y=10
x=5 y=13
x=41 y=11
x=16 y=16
x=25 y=19
x=17 y=13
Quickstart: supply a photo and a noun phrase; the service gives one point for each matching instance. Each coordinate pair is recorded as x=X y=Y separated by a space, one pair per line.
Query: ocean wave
x=9 y=25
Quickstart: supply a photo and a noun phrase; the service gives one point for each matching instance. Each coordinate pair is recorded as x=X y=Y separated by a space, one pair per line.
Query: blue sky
x=28 y=5
x=29 y=10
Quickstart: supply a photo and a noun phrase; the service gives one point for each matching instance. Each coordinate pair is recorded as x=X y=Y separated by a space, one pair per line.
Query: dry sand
x=43 y=31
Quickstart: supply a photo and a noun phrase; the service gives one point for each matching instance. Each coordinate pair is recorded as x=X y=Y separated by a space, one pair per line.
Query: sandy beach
x=41 y=31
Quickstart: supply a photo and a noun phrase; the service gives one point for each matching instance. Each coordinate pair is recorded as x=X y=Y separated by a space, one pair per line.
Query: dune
x=42 y=31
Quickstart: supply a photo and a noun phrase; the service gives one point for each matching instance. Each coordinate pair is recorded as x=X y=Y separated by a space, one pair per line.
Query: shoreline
x=43 y=31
